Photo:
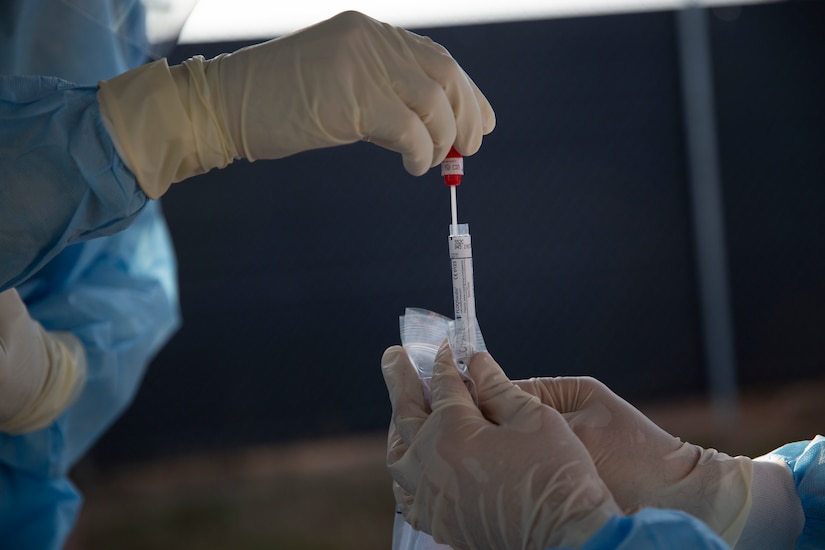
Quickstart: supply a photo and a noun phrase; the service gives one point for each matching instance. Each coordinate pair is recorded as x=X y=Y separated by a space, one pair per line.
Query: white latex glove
x=644 y=466
x=506 y=474
x=41 y=372
x=346 y=79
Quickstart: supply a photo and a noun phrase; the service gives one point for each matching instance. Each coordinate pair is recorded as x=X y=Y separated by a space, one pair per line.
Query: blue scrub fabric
x=118 y=295
x=652 y=529
x=61 y=180
x=806 y=459
x=88 y=252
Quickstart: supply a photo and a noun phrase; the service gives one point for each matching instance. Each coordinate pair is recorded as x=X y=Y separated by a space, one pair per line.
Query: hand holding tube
x=506 y=473
x=346 y=79
x=644 y=466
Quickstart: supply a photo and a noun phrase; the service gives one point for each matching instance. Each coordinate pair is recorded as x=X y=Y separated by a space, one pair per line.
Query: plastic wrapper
x=422 y=333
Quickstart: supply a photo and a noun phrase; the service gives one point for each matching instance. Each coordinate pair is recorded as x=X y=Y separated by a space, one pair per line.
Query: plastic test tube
x=461 y=258
x=464 y=302
x=405 y=537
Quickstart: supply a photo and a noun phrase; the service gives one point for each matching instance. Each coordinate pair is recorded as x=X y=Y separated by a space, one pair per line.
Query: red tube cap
x=453 y=167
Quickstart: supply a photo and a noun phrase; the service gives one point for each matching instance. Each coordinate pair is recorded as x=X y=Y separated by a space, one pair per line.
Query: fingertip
x=486 y=115
x=488 y=375
x=488 y=120
x=397 y=370
x=447 y=382
x=440 y=153
x=468 y=143
x=468 y=146
x=482 y=358
x=444 y=356
x=415 y=164
x=443 y=367
x=402 y=130
x=391 y=356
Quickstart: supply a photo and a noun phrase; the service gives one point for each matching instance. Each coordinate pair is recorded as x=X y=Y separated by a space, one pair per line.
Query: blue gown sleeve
x=118 y=296
x=61 y=180
x=36 y=513
x=654 y=529
x=806 y=459
x=61 y=185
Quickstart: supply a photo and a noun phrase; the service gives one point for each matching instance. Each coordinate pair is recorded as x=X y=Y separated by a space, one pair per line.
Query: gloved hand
x=346 y=79
x=644 y=466
x=41 y=372
x=508 y=473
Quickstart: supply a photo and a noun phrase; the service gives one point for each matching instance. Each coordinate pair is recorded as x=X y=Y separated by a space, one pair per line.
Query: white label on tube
x=452 y=165
x=461 y=256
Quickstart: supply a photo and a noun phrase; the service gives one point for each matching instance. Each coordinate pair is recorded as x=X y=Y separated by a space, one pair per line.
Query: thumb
x=446 y=385
x=409 y=408
x=488 y=377
x=498 y=398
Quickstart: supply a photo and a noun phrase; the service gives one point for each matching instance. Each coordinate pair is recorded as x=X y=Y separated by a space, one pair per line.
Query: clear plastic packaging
x=422 y=333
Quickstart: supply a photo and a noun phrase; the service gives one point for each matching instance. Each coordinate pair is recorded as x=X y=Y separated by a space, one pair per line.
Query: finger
x=469 y=116
x=488 y=116
x=403 y=499
x=565 y=394
x=398 y=468
x=400 y=129
x=408 y=416
x=472 y=111
x=488 y=377
x=396 y=447
x=409 y=408
x=446 y=385
x=499 y=399
x=427 y=99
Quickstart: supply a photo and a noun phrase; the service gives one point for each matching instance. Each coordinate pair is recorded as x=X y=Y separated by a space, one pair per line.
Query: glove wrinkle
x=343 y=80
x=644 y=466
x=505 y=473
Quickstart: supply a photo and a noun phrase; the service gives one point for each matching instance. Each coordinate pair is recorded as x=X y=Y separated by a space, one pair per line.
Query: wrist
x=727 y=488
x=162 y=123
x=199 y=85
x=592 y=509
x=711 y=486
x=776 y=517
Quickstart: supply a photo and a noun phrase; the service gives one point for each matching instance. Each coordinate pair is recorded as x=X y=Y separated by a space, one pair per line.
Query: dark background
x=293 y=272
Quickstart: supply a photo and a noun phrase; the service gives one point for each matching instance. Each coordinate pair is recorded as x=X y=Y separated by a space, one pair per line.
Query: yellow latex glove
x=506 y=473
x=644 y=466
x=41 y=372
x=345 y=79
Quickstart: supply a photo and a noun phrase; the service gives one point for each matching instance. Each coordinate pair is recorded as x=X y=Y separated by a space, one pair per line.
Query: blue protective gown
x=61 y=185
x=806 y=459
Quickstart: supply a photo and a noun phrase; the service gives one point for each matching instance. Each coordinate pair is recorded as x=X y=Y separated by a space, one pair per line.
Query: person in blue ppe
x=85 y=148
x=114 y=146
x=79 y=329
x=566 y=463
